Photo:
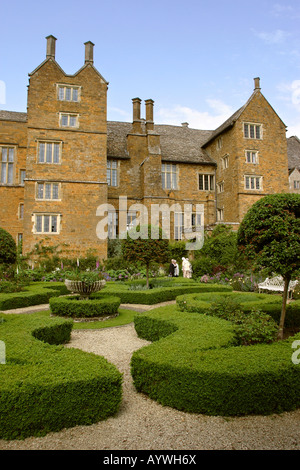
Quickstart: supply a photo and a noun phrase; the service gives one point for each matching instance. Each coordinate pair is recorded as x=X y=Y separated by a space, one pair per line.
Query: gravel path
x=143 y=424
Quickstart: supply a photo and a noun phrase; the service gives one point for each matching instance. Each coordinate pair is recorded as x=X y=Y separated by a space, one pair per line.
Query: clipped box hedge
x=195 y=366
x=75 y=308
x=268 y=303
x=157 y=295
x=35 y=294
x=49 y=387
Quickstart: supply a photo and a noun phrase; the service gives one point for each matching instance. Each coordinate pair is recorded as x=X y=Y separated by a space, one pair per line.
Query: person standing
x=176 y=268
x=171 y=268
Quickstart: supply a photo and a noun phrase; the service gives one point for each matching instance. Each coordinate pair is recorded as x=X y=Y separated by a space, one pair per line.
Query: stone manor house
x=62 y=160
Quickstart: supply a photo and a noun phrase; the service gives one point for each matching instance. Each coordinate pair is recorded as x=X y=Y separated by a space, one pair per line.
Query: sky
x=195 y=58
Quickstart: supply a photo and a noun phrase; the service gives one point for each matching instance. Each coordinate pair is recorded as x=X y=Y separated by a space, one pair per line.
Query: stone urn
x=84 y=289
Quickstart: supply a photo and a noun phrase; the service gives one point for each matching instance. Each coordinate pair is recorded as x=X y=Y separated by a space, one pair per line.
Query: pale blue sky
x=195 y=59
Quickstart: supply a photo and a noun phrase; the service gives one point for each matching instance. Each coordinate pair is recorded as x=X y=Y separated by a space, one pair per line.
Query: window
x=21 y=211
x=251 y=156
x=22 y=177
x=253 y=182
x=169 y=176
x=7 y=164
x=112 y=226
x=131 y=219
x=220 y=187
x=252 y=131
x=46 y=223
x=178 y=225
x=68 y=93
x=49 y=152
x=68 y=120
x=296 y=184
x=219 y=143
x=47 y=191
x=112 y=173
x=206 y=182
x=220 y=215
x=225 y=162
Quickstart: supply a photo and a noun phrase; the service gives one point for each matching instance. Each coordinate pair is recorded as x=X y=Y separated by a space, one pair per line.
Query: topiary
x=8 y=248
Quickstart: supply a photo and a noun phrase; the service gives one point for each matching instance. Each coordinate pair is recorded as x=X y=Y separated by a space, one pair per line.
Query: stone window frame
x=69 y=116
x=44 y=198
x=178 y=225
x=21 y=211
x=256 y=126
x=256 y=153
x=65 y=86
x=207 y=185
x=7 y=163
x=220 y=186
x=220 y=214
x=257 y=179
x=225 y=162
x=52 y=142
x=22 y=176
x=43 y=216
x=173 y=172
x=110 y=172
x=296 y=184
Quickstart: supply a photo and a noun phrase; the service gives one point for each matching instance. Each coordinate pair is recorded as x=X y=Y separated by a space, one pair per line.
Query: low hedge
x=156 y=295
x=73 y=307
x=268 y=303
x=194 y=365
x=48 y=387
x=35 y=294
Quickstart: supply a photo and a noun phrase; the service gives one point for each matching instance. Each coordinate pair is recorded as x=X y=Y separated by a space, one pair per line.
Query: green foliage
x=156 y=295
x=35 y=294
x=270 y=233
x=8 y=248
x=195 y=365
x=148 y=247
x=47 y=387
x=75 y=308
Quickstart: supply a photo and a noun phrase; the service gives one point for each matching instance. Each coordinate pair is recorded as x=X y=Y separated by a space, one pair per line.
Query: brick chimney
x=149 y=115
x=89 y=52
x=257 y=83
x=50 y=47
x=136 y=121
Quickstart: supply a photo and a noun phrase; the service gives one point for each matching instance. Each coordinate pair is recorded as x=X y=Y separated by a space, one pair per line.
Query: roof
x=13 y=116
x=234 y=117
x=178 y=143
x=293 y=150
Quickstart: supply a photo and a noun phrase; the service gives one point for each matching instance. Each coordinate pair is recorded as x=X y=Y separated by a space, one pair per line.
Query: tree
x=145 y=244
x=270 y=235
x=8 y=248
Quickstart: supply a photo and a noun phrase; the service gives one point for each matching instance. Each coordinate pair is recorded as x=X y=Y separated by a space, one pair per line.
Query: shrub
x=75 y=308
x=35 y=294
x=48 y=387
x=198 y=367
x=8 y=248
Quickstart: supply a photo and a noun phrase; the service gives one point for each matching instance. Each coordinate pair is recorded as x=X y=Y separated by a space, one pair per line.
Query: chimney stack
x=257 y=83
x=149 y=115
x=136 y=124
x=89 y=52
x=50 y=47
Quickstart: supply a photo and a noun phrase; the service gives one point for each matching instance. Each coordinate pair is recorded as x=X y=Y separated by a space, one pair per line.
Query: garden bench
x=276 y=284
